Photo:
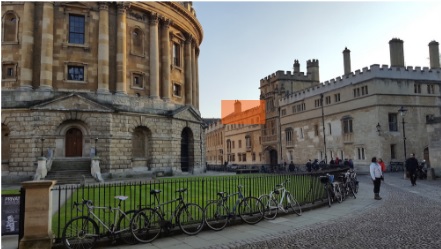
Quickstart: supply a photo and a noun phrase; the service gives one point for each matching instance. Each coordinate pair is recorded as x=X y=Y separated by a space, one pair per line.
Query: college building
x=117 y=80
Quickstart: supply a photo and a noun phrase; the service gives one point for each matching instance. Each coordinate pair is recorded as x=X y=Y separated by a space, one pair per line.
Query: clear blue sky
x=247 y=41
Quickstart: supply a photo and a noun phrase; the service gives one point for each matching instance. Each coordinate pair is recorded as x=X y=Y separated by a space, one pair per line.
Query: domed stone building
x=117 y=80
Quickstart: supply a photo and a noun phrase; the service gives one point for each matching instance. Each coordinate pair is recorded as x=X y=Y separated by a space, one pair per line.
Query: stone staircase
x=70 y=171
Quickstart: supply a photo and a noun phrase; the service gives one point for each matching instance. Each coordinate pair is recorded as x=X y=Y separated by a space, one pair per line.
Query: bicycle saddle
x=155 y=191
x=181 y=190
x=121 y=197
x=221 y=194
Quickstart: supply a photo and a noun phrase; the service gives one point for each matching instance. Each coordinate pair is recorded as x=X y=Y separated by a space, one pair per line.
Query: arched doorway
x=426 y=156
x=187 y=158
x=74 y=143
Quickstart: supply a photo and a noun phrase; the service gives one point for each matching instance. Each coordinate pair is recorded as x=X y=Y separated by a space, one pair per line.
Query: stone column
x=347 y=61
x=47 y=41
x=193 y=74
x=166 y=64
x=197 y=78
x=121 y=53
x=103 y=49
x=38 y=215
x=188 y=71
x=154 y=56
x=27 y=47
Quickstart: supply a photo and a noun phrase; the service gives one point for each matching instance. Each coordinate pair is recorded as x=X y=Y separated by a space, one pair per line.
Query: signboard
x=10 y=214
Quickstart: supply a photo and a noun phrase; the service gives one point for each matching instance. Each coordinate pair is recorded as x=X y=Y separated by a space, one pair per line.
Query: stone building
x=358 y=116
x=117 y=79
x=236 y=138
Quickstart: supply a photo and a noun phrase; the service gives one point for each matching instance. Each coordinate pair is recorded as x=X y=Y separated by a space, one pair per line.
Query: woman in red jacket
x=383 y=166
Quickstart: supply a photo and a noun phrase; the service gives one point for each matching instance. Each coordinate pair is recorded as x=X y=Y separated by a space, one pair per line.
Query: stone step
x=70 y=171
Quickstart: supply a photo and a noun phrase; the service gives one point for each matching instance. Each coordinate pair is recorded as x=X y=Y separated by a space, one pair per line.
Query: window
x=137 y=80
x=177 y=90
x=283 y=112
x=364 y=90
x=431 y=89
x=360 y=153
x=232 y=144
x=240 y=143
x=8 y=71
x=316 y=130
x=240 y=157
x=328 y=100
x=10 y=27
x=76 y=29
x=329 y=128
x=141 y=139
x=176 y=55
x=244 y=157
x=318 y=102
x=288 y=136
x=253 y=157
x=248 y=141
x=417 y=88
x=228 y=146
x=137 y=42
x=393 y=151
x=337 y=97
x=301 y=132
x=75 y=73
x=360 y=91
x=347 y=125
x=393 y=124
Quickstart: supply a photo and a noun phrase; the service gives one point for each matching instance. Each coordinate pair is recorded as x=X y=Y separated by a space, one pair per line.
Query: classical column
x=154 y=56
x=121 y=54
x=47 y=45
x=193 y=74
x=103 y=49
x=197 y=78
x=27 y=47
x=166 y=93
x=188 y=71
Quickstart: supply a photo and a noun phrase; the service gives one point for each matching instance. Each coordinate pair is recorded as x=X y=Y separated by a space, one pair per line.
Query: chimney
x=237 y=106
x=396 y=53
x=434 y=54
x=347 y=61
x=296 y=66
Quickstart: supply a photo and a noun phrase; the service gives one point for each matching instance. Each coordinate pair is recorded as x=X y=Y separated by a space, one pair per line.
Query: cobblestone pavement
x=408 y=217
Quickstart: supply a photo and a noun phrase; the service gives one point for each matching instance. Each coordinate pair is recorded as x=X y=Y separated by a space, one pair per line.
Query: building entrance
x=74 y=143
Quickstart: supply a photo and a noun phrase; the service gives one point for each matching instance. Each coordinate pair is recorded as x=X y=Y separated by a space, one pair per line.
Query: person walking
x=411 y=167
x=383 y=166
x=377 y=176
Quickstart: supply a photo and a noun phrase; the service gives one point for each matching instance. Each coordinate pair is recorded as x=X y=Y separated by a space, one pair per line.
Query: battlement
x=360 y=76
x=285 y=75
x=312 y=63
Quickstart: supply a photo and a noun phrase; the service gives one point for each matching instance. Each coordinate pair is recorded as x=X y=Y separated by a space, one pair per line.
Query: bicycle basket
x=331 y=178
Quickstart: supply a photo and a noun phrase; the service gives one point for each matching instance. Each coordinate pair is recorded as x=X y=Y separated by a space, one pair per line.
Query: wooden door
x=74 y=143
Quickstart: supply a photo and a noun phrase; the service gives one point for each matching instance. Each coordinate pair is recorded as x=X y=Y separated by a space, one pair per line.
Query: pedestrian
x=292 y=167
x=383 y=166
x=332 y=162
x=337 y=161
x=309 y=166
x=351 y=163
x=377 y=176
x=411 y=167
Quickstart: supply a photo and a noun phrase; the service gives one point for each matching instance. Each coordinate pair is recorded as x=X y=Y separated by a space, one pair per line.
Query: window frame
x=6 y=16
x=134 y=75
x=76 y=64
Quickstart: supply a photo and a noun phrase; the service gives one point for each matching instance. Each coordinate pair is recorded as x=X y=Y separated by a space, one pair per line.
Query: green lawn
x=10 y=191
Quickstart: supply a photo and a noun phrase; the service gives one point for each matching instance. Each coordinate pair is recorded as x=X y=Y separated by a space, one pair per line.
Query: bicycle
x=353 y=179
x=217 y=213
x=332 y=189
x=280 y=199
x=148 y=222
x=83 y=231
x=346 y=185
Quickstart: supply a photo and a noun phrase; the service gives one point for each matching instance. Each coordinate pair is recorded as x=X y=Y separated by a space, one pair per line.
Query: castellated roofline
x=285 y=75
x=360 y=76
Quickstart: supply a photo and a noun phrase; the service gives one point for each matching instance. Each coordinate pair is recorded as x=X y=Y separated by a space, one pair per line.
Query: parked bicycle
x=353 y=179
x=83 y=231
x=347 y=186
x=217 y=213
x=280 y=199
x=148 y=222
x=332 y=189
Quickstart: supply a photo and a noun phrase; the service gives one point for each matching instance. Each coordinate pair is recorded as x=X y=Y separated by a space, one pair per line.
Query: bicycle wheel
x=123 y=228
x=81 y=232
x=338 y=194
x=355 y=181
x=191 y=218
x=216 y=215
x=251 y=210
x=146 y=225
x=329 y=194
x=351 y=187
x=292 y=205
x=270 y=206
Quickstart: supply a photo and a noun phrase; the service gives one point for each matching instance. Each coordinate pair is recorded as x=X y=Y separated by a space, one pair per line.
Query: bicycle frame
x=224 y=199
x=282 y=190
x=158 y=208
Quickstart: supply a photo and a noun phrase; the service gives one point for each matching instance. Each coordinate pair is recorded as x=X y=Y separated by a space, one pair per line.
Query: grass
x=10 y=191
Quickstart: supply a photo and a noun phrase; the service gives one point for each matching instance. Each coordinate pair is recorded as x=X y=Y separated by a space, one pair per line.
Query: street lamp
x=403 y=112
x=378 y=128
x=323 y=124
x=96 y=151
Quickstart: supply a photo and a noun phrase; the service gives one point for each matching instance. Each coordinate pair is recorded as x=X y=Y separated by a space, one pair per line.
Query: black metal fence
x=304 y=186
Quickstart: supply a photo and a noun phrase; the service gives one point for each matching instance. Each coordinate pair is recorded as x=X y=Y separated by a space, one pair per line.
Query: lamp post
x=378 y=128
x=403 y=112
x=41 y=149
x=323 y=124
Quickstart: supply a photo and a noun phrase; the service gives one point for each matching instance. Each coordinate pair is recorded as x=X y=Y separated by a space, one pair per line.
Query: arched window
x=10 y=27
x=137 y=42
x=347 y=124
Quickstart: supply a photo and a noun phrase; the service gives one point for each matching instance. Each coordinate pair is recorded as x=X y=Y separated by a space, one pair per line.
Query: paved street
x=407 y=217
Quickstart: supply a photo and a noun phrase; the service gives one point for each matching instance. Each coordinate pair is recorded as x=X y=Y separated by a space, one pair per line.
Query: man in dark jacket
x=411 y=167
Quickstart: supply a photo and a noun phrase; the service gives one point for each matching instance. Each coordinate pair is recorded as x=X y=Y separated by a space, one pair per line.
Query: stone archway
x=187 y=150
x=74 y=143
